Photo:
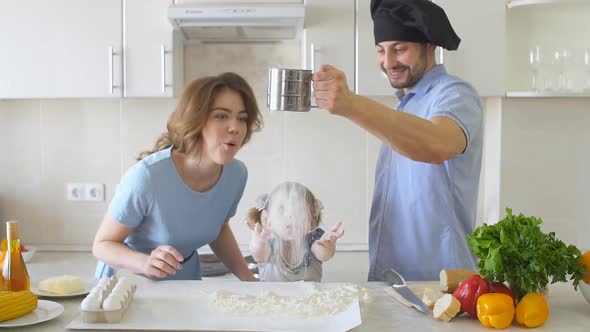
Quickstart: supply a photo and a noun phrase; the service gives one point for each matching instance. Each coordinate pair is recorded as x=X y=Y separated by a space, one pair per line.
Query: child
x=286 y=241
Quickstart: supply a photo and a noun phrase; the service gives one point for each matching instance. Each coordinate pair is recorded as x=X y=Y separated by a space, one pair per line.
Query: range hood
x=237 y=23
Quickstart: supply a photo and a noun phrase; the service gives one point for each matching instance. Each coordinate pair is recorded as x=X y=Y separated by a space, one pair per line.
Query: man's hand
x=162 y=261
x=331 y=91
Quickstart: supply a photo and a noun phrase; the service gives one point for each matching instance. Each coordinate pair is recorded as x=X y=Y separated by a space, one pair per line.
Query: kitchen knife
x=398 y=283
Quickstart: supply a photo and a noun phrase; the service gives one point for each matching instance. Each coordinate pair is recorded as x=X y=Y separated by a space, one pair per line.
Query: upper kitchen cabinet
x=88 y=49
x=60 y=48
x=329 y=35
x=479 y=59
x=370 y=80
x=548 y=49
x=239 y=1
x=153 y=54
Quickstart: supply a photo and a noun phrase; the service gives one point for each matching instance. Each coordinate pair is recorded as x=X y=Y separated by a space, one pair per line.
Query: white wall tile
x=20 y=165
x=142 y=122
x=80 y=143
x=544 y=167
x=250 y=61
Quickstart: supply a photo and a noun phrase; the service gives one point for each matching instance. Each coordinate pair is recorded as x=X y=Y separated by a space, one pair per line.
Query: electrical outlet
x=94 y=192
x=75 y=191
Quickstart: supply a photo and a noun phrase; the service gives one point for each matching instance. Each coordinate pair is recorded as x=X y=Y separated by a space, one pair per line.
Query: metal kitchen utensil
x=399 y=285
x=289 y=90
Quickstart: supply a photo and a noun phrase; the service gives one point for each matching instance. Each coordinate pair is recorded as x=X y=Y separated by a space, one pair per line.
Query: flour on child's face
x=289 y=213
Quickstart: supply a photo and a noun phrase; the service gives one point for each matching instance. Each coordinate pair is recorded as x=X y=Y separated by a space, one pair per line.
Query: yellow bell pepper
x=532 y=310
x=495 y=310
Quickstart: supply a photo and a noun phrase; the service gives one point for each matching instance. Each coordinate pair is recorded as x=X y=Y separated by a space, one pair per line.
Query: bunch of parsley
x=517 y=251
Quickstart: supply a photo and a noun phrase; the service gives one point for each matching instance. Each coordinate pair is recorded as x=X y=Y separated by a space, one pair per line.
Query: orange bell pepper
x=495 y=310
x=532 y=310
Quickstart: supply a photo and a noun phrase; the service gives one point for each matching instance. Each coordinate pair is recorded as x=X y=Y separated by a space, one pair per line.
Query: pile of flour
x=316 y=302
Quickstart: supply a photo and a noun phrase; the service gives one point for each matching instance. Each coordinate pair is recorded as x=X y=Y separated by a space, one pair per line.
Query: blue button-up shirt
x=421 y=212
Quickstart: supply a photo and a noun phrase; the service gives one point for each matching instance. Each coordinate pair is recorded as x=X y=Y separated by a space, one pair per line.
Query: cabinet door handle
x=112 y=85
x=163 y=53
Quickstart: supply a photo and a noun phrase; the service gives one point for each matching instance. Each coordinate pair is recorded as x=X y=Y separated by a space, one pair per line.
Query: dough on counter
x=321 y=302
x=62 y=285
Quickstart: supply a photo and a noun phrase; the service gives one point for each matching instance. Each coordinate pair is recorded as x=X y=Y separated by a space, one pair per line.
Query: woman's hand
x=162 y=261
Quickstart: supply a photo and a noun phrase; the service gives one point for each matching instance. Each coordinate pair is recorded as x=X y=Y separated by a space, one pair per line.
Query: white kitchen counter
x=569 y=310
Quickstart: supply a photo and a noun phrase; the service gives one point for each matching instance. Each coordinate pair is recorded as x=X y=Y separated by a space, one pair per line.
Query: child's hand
x=263 y=233
x=259 y=241
x=329 y=238
x=259 y=233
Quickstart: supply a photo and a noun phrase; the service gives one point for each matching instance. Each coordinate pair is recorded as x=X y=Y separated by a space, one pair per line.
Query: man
x=427 y=174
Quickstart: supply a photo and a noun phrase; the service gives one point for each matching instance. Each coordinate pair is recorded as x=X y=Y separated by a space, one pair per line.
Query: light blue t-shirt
x=154 y=200
x=421 y=212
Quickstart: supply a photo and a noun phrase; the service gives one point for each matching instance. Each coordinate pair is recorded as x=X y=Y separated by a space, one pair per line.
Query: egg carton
x=108 y=301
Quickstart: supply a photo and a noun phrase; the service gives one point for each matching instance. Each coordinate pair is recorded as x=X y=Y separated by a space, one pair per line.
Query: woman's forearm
x=226 y=248
x=119 y=256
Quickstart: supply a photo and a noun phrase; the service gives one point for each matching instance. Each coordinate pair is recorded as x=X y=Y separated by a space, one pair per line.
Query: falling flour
x=319 y=302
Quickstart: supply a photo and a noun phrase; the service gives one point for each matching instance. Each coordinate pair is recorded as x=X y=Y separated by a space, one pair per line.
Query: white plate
x=87 y=288
x=45 y=311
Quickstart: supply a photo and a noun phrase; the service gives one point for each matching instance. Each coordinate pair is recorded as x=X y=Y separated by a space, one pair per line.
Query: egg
x=112 y=303
x=90 y=303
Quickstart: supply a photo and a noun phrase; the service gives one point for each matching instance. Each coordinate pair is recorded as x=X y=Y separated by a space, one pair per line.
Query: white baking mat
x=183 y=305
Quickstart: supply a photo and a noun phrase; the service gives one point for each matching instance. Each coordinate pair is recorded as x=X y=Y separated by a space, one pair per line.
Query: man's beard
x=414 y=74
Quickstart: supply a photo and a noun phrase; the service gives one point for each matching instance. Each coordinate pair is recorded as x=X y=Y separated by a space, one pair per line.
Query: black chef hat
x=418 y=21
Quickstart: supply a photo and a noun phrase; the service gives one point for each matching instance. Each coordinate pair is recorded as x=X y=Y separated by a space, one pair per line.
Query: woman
x=181 y=195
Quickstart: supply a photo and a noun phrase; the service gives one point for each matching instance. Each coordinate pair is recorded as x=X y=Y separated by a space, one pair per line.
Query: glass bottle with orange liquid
x=14 y=276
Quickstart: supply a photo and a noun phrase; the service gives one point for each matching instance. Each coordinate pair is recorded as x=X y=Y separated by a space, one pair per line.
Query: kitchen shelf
x=518 y=3
x=534 y=27
x=540 y=94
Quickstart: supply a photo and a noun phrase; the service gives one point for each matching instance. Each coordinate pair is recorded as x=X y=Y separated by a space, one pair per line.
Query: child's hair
x=186 y=123
x=258 y=212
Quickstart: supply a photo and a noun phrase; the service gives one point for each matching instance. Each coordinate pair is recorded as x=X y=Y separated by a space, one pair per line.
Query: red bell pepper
x=468 y=292
x=498 y=287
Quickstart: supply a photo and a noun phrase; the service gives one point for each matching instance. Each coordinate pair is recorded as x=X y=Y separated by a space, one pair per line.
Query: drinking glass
x=535 y=58
x=563 y=59
x=586 y=63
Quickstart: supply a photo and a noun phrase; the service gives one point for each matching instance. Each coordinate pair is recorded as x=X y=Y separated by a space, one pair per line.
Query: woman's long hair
x=186 y=123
